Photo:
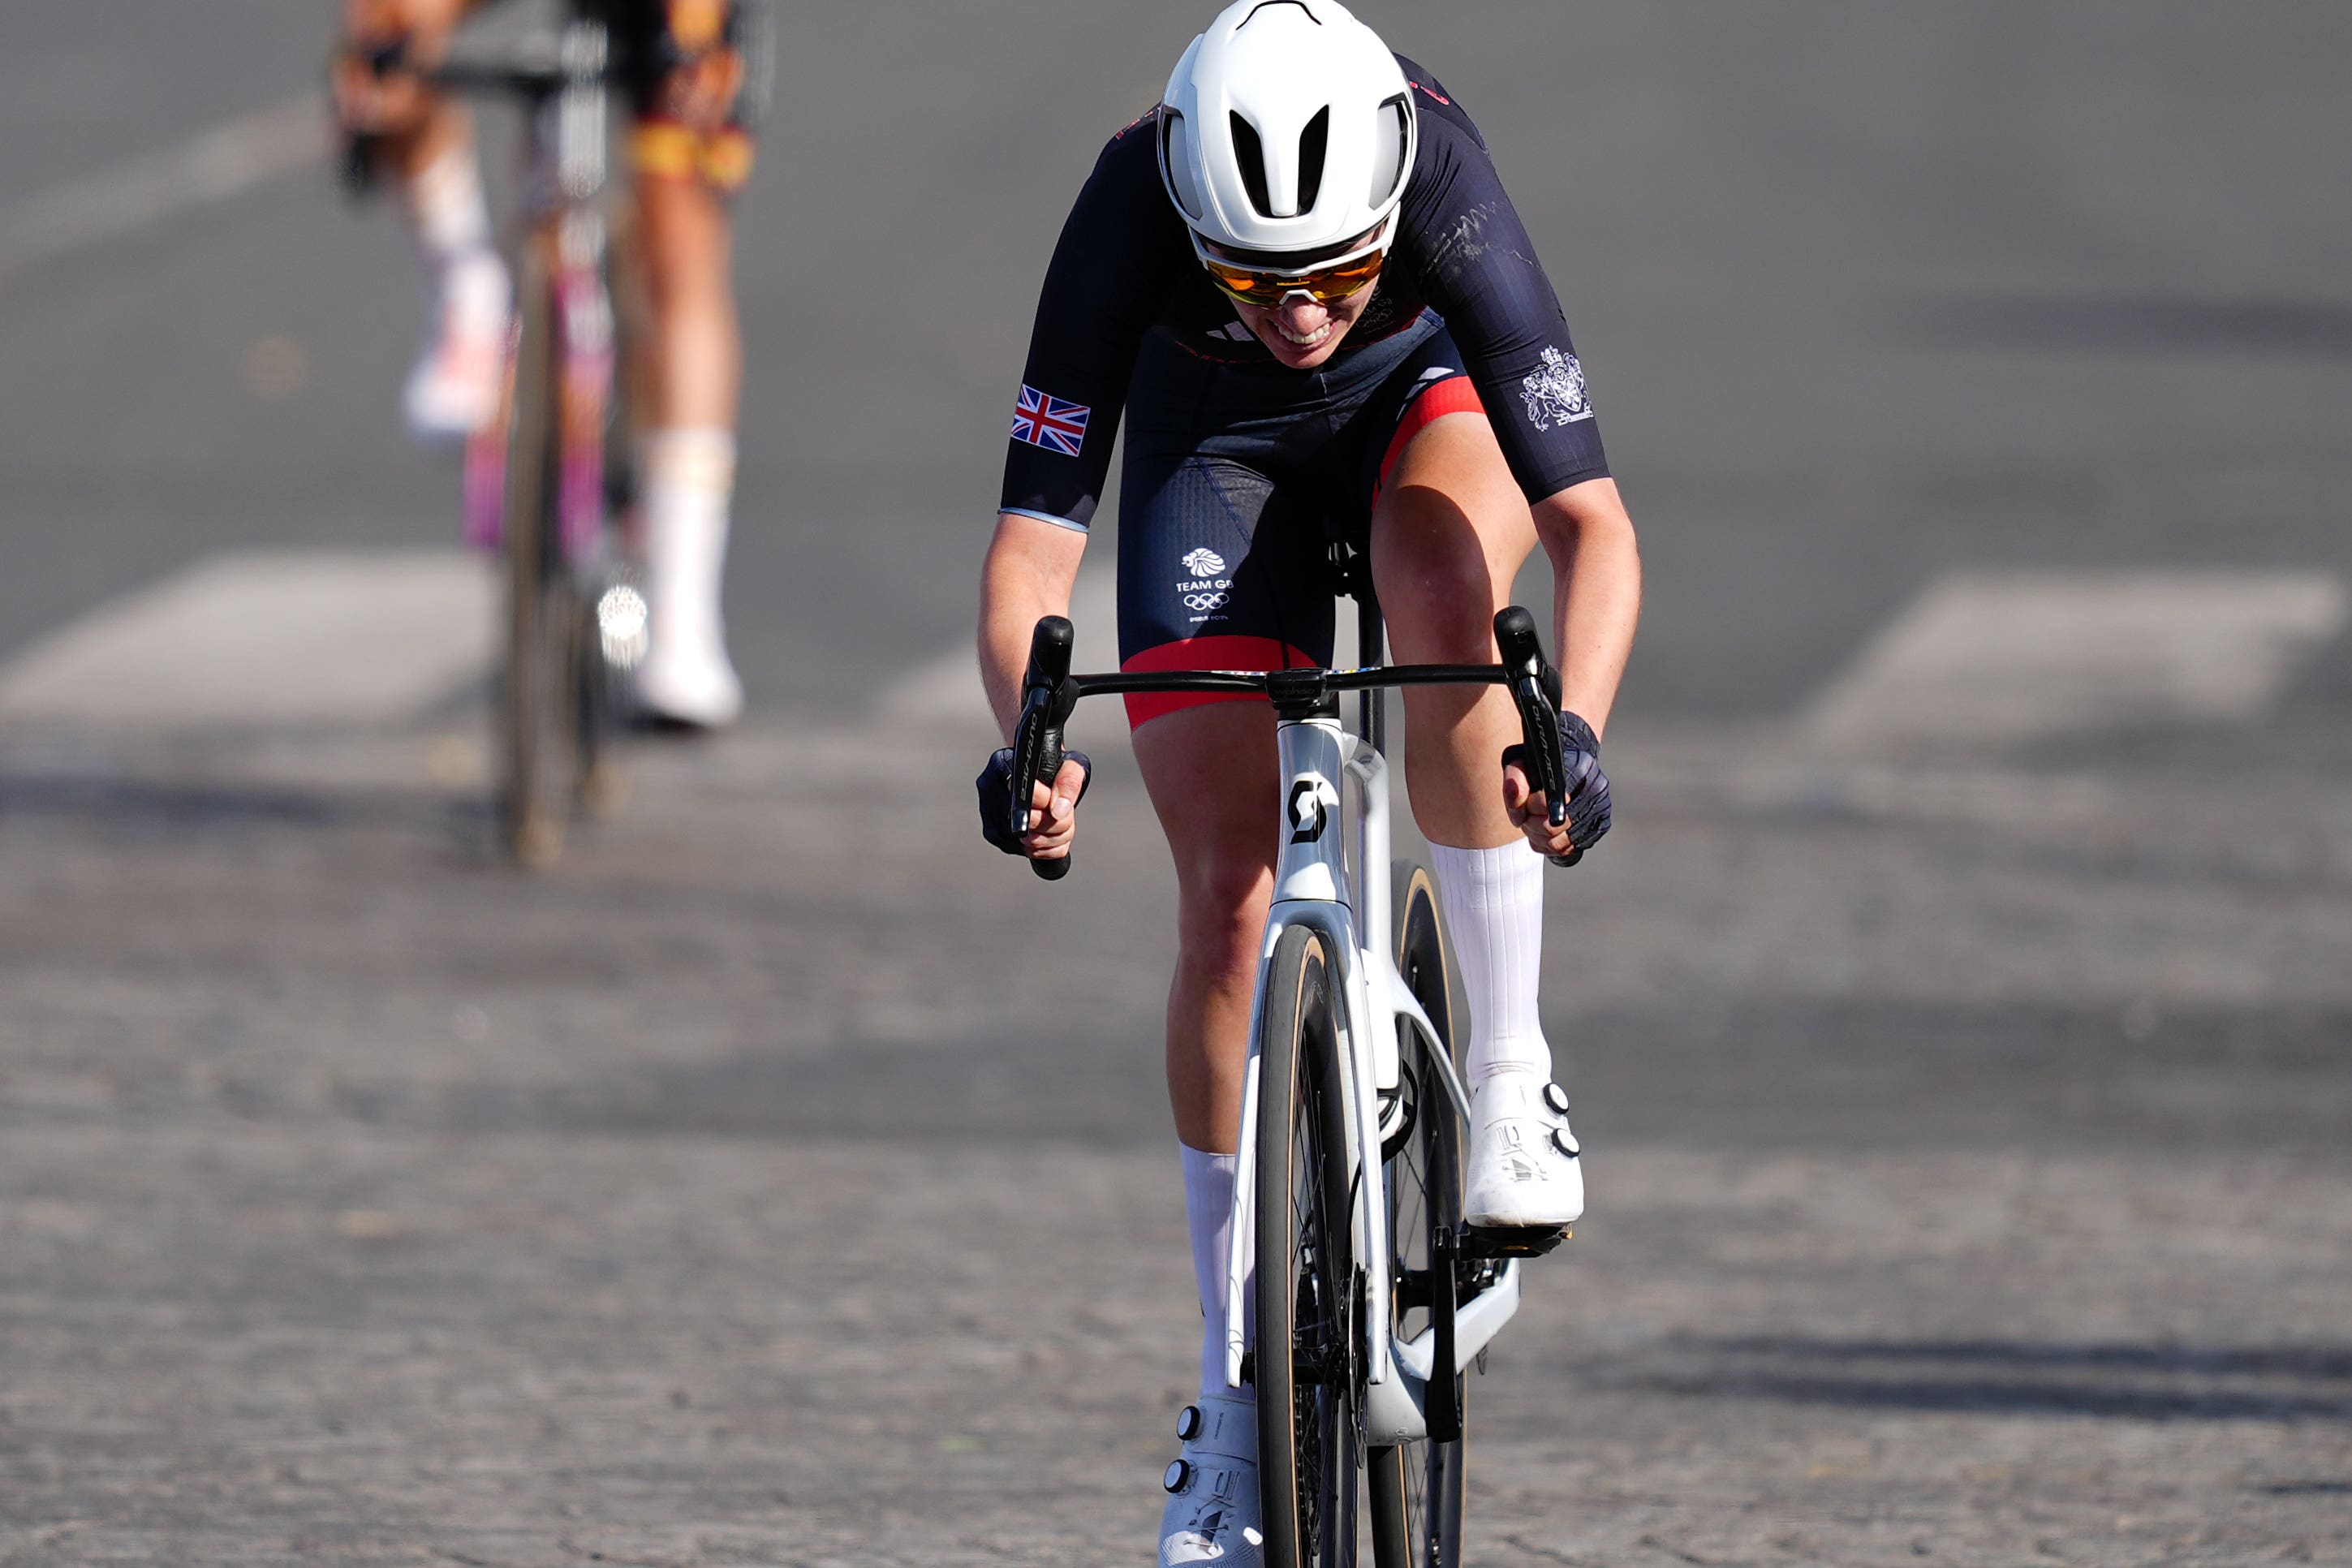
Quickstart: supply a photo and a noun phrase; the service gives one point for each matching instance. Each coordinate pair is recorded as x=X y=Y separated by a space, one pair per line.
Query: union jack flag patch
x=1048 y=422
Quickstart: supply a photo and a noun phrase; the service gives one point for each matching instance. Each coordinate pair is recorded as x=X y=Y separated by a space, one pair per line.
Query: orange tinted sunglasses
x=1333 y=281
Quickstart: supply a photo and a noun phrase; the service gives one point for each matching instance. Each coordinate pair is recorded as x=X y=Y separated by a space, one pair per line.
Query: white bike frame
x=1316 y=886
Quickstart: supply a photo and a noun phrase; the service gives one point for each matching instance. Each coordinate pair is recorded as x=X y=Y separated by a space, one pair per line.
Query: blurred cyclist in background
x=694 y=72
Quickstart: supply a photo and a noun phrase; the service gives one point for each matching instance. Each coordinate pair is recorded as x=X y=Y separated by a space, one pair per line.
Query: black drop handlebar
x=1535 y=691
x=534 y=67
x=1049 y=692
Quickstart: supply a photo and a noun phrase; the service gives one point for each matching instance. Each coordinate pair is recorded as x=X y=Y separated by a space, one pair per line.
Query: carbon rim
x=1307 y=1434
x=1416 y=1487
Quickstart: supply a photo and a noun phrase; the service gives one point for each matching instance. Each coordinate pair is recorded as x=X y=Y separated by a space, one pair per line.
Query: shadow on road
x=2300 y=329
x=2028 y=1377
x=165 y=803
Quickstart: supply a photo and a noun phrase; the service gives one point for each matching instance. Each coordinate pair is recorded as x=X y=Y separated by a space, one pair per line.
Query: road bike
x=1370 y=1298
x=544 y=482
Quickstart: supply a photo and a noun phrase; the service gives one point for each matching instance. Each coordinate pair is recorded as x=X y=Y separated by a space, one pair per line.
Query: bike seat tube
x=1313 y=863
x=581 y=121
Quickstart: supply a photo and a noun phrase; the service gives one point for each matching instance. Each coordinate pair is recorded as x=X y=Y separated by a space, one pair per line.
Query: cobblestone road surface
x=360 y=1203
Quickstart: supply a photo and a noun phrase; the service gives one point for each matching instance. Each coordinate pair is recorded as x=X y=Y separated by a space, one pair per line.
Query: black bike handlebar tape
x=1046 y=702
x=1049 y=666
x=1049 y=768
x=387 y=57
x=1524 y=669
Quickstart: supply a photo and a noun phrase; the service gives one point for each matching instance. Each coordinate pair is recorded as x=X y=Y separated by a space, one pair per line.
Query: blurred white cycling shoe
x=458 y=380
x=687 y=680
x=1524 y=1165
x=1212 y=1518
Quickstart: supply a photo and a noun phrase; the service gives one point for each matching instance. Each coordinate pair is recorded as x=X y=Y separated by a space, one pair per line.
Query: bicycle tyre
x=1305 y=1287
x=539 y=695
x=608 y=653
x=600 y=699
x=1416 y=1489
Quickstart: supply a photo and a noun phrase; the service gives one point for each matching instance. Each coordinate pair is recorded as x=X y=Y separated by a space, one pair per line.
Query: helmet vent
x=1311 y=144
x=1272 y=4
x=1176 y=163
x=1250 y=153
x=1388 y=151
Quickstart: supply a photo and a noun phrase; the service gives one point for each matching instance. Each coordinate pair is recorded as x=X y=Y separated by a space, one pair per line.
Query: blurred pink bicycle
x=539 y=482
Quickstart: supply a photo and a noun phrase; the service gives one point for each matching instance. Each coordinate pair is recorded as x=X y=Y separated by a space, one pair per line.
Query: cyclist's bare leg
x=1210 y=774
x=685 y=235
x=1449 y=533
x=446 y=131
x=423 y=143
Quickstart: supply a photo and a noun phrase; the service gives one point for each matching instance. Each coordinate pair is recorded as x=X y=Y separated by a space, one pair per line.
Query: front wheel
x=538 y=708
x=1307 y=1297
x=1416 y=1488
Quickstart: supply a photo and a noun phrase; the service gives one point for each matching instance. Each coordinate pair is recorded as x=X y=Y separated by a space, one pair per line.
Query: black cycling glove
x=995 y=785
x=1588 y=786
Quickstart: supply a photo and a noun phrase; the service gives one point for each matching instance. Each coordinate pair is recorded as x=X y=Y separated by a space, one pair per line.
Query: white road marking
x=291 y=637
x=2013 y=657
x=213 y=165
x=359 y=638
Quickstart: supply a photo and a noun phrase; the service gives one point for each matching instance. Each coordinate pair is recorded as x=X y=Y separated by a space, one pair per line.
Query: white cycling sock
x=689 y=480
x=1494 y=907
x=452 y=224
x=447 y=206
x=1209 y=1212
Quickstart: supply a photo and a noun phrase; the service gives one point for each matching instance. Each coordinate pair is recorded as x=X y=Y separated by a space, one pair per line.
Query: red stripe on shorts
x=1454 y=395
x=1205 y=652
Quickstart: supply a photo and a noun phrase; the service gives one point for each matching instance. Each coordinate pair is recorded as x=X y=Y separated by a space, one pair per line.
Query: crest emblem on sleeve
x=1556 y=395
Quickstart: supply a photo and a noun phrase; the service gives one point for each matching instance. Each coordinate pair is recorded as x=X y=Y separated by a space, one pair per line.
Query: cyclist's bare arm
x=1597 y=600
x=1031 y=569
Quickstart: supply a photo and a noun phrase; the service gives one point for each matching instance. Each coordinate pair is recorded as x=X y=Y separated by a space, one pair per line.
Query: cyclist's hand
x=1587 y=794
x=1052 y=812
x=389 y=103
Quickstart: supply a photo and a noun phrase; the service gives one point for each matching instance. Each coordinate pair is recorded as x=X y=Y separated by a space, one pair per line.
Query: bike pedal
x=1512 y=1241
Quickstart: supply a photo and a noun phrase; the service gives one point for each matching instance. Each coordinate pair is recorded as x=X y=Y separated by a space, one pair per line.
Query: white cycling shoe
x=1212 y=1518
x=459 y=379
x=686 y=678
x=1525 y=1170
x=687 y=681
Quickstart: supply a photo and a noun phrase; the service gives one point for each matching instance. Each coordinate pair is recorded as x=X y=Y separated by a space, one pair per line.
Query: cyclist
x=689 y=69
x=1300 y=280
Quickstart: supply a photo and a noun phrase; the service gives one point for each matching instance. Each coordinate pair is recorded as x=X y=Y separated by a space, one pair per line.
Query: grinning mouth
x=1310 y=339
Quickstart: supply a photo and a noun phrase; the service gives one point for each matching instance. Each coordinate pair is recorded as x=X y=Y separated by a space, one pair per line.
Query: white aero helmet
x=1287 y=126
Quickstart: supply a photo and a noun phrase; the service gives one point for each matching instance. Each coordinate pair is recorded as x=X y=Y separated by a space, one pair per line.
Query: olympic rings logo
x=1204 y=603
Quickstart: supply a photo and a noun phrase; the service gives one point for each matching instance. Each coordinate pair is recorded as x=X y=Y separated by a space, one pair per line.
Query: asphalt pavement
x=1957 y=1017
